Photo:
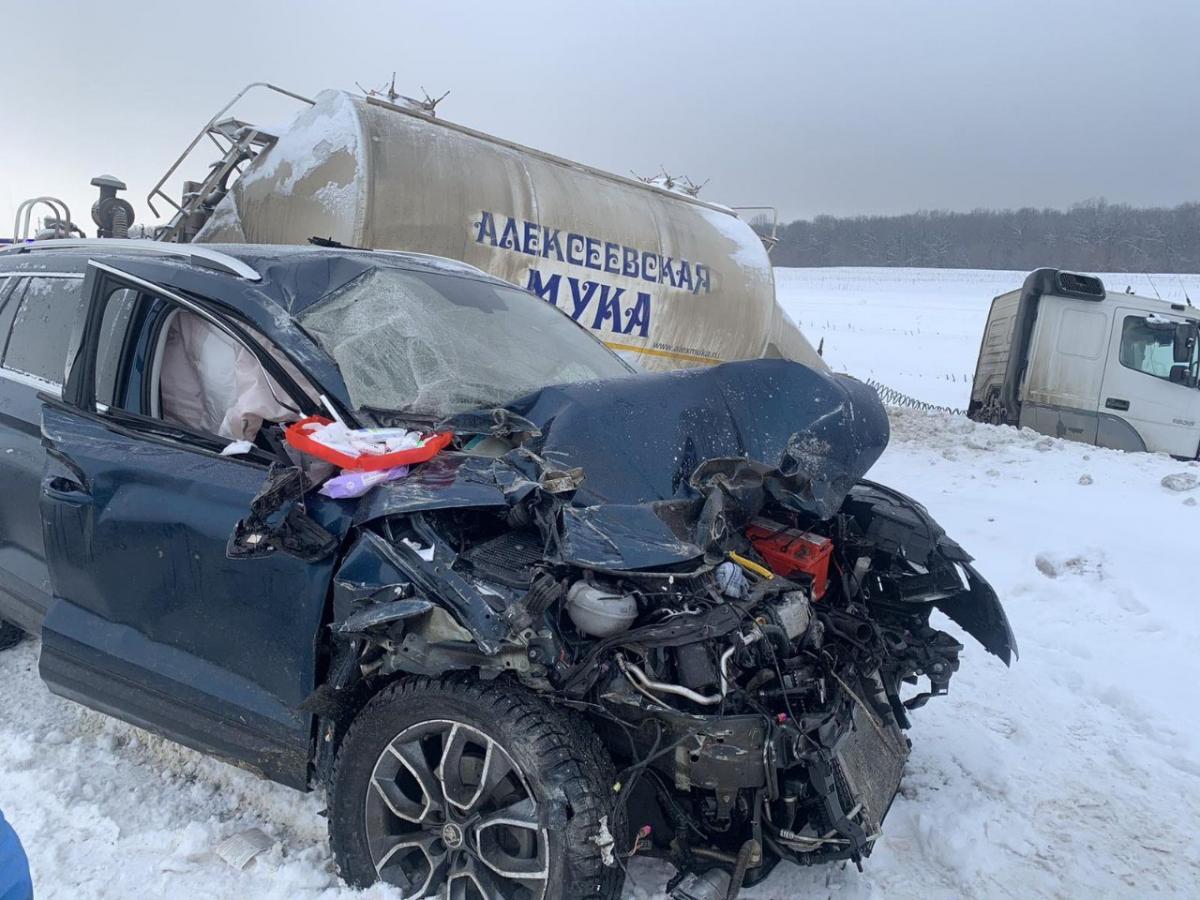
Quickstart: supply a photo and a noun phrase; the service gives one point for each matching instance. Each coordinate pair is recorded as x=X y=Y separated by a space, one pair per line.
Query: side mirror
x=1185 y=343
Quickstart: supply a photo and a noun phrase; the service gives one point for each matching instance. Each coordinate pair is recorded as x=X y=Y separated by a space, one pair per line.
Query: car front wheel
x=472 y=791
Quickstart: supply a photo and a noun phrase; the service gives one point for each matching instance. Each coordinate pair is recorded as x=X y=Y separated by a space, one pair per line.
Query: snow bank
x=1075 y=773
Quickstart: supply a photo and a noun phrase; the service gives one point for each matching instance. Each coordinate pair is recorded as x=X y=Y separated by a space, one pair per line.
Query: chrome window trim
x=216 y=259
x=40 y=384
x=33 y=273
x=168 y=294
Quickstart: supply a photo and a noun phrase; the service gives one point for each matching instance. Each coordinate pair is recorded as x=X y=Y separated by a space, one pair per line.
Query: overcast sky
x=838 y=107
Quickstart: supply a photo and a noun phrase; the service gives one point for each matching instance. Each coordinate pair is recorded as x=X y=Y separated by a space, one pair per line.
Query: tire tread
x=574 y=761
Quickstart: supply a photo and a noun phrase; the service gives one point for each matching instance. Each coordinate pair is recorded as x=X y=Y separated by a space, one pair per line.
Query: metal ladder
x=769 y=240
x=60 y=224
x=239 y=144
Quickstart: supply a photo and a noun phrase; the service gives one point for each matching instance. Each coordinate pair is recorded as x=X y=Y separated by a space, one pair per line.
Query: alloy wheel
x=448 y=809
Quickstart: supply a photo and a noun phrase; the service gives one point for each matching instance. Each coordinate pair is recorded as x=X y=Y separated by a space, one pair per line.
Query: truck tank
x=665 y=279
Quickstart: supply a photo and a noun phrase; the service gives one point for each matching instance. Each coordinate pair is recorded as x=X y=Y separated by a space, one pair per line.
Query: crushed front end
x=693 y=563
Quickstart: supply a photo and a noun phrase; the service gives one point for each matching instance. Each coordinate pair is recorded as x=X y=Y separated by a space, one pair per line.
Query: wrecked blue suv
x=618 y=614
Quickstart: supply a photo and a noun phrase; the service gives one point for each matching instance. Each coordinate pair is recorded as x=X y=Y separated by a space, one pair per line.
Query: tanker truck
x=665 y=279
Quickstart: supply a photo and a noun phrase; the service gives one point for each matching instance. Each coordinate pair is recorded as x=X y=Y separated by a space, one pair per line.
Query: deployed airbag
x=211 y=383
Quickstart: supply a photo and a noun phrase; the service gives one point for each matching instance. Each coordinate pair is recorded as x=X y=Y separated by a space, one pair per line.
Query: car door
x=1138 y=389
x=37 y=309
x=151 y=621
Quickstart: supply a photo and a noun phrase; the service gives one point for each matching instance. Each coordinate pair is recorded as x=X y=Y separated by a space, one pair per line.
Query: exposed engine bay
x=742 y=618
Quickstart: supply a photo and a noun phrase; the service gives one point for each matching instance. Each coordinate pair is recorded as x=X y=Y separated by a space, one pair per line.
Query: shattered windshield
x=441 y=344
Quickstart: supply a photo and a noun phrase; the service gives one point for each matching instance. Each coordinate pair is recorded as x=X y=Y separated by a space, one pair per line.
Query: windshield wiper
x=395 y=418
x=498 y=422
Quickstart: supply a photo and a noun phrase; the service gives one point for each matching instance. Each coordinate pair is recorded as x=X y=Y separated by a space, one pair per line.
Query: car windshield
x=435 y=344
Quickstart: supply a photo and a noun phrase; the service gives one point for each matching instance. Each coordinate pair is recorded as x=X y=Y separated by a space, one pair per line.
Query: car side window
x=159 y=361
x=6 y=308
x=112 y=345
x=41 y=327
x=207 y=381
x=1148 y=347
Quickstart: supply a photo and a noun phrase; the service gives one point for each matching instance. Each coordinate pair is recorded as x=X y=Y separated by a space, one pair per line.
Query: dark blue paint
x=125 y=572
x=639 y=439
x=142 y=549
x=448 y=481
x=25 y=586
x=363 y=571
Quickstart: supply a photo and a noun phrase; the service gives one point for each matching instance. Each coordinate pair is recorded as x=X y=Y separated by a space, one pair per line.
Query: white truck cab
x=1064 y=357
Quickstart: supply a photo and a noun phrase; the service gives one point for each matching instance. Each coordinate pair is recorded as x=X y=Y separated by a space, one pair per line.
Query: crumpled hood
x=641 y=439
x=668 y=460
x=674 y=463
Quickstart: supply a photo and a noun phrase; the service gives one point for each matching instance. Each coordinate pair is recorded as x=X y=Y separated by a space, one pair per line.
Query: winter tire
x=10 y=635
x=472 y=791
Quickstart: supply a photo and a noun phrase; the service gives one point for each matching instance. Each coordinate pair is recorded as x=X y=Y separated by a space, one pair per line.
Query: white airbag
x=211 y=383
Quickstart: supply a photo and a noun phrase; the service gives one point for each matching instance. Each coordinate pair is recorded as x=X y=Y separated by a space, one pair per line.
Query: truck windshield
x=435 y=344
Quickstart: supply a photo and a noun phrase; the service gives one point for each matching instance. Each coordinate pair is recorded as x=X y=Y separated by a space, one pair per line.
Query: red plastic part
x=297 y=435
x=788 y=551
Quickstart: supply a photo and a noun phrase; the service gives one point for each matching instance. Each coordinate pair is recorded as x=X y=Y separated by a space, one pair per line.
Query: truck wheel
x=10 y=635
x=472 y=791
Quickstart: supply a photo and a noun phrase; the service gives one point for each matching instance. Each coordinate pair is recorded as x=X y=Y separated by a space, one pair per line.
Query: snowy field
x=1074 y=774
x=918 y=330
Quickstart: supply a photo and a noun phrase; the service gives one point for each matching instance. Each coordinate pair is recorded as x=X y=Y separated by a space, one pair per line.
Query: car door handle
x=66 y=490
x=1116 y=403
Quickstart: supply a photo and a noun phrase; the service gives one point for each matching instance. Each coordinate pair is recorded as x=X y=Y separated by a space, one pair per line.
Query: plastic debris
x=732 y=580
x=364 y=441
x=355 y=483
x=363 y=448
x=426 y=553
x=239 y=849
x=237 y=448
x=606 y=843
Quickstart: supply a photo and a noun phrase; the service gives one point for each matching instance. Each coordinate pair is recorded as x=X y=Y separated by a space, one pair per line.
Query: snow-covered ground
x=1075 y=773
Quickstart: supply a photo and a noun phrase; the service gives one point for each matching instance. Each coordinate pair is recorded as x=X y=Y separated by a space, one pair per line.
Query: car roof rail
x=201 y=256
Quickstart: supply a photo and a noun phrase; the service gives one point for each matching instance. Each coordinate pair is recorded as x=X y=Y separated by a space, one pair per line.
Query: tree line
x=1095 y=236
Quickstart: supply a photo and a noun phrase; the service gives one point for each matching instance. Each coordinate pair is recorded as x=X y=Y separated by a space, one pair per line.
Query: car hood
x=658 y=471
x=649 y=471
